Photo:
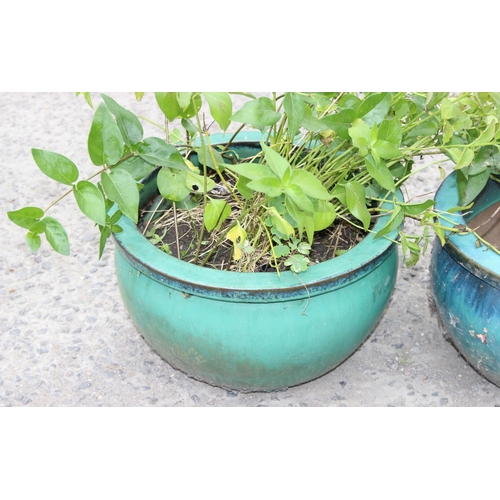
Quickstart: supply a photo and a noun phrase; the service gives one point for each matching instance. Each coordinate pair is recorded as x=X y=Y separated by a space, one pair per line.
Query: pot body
x=254 y=331
x=465 y=280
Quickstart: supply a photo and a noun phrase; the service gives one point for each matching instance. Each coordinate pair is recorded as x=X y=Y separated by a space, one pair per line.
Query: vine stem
x=58 y=200
x=205 y=194
x=219 y=173
x=174 y=206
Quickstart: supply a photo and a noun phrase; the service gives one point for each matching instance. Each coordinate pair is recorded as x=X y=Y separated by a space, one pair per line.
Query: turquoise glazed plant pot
x=466 y=284
x=254 y=331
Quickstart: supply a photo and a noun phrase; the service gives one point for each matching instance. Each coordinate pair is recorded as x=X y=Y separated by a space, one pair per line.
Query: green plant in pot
x=246 y=257
x=465 y=264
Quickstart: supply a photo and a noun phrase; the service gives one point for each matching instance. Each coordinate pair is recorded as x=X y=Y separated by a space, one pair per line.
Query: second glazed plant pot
x=465 y=278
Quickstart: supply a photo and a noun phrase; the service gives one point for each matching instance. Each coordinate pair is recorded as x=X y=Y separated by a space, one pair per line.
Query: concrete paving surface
x=66 y=339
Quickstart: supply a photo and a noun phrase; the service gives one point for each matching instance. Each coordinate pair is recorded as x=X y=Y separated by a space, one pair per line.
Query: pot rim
x=148 y=259
x=481 y=261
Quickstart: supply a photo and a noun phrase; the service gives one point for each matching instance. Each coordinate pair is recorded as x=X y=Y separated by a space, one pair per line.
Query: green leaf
x=469 y=188
x=90 y=201
x=276 y=162
x=440 y=234
x=172 y=184
x=434 y=98
x=297 y=263
x=178 y=104
x=259 y=113
x=188 y=126
x=340 y=122
x=283 y=226
x=360 y=133
x=121 y=188
x=193 y=108
x=463 y=122
x=113 y=219
x=304 y=248
x=461 y=156
x=373 y=133
x=216 y=212
x=221 y=107
x=205 y=155
x=295 y=214
x=197 y=182
x=486 y=136
x=324 y=215
x=386 y=150
x=416 y=208
x=88 y=98
x=339 y=192
x=167 y=102
x=280 y=251
x=381 y=173
x=297 y=195
x=105 y=142
x=391 y=131
x=394 y=222
x=242 y=187
x=294 y=108
x=56 y=166
x=156 y=151
x=105 y=234
x=349 y=101
x=486 y=156
x=38 y=227
x=449 y=110
x=374 y=108
x=310 y=185
x=184 y=99
x=251 y=171
x=424 y=129
x=136 y=166
x=56 y=235
x=356 y=202
x=34 y=241
x=311 y=123
x=270 y=186
x=188 y=104
x=25 y=217
x=309 y=225
x=129 y=125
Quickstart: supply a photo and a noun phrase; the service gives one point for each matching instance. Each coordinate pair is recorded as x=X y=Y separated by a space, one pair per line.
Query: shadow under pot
x=253 y=331
x=465 y=278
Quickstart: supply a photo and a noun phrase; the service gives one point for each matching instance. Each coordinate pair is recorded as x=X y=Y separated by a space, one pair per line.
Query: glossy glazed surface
x=254 y=331
x=465 y=284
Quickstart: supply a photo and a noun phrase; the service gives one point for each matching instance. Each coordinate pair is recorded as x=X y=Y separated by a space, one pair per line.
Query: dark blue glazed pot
x=465 y=279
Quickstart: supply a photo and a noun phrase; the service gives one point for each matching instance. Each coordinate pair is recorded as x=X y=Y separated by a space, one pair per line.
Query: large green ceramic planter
x=254 y=331
x=465 y=282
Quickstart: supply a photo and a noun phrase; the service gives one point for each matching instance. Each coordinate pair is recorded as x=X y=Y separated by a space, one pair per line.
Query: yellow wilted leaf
x=238 y=236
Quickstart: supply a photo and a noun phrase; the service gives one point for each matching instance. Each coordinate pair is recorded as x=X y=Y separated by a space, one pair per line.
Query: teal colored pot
x=253 y=331
x=465 y=282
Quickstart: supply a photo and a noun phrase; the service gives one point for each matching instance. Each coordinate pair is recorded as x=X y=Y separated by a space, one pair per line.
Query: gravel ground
x=66 y=339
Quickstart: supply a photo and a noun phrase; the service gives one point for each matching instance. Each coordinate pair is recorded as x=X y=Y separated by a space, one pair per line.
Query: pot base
x=260 y=346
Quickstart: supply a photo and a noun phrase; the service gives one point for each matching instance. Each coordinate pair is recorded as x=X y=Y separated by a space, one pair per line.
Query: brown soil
x=487 y=225
x=217 y=252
